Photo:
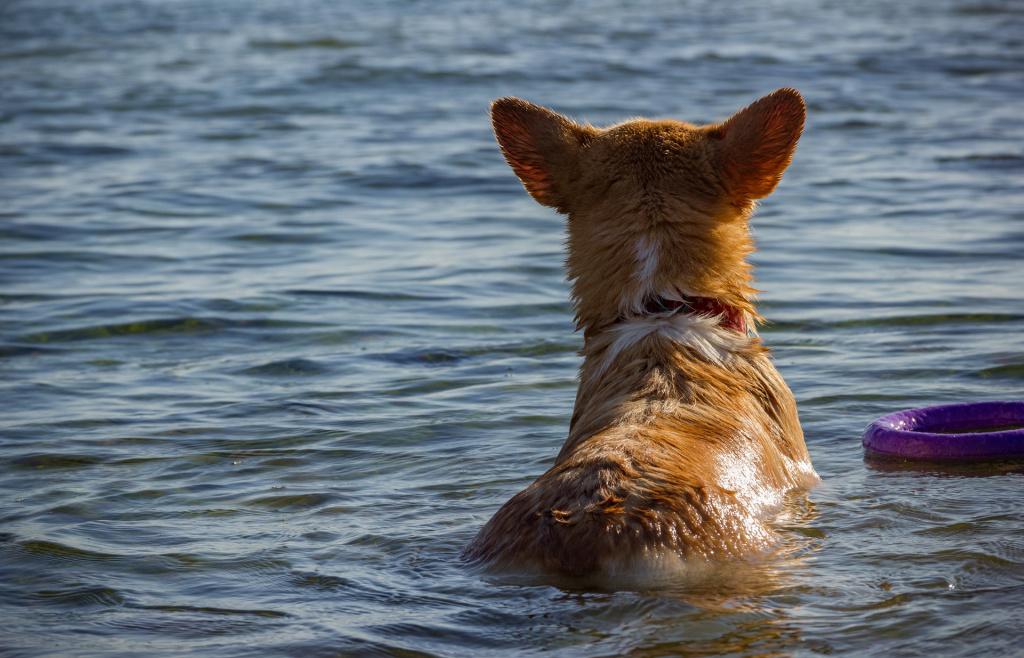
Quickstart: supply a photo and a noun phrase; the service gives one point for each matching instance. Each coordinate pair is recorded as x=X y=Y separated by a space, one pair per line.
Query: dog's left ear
x=540 y=145
x=757 y=143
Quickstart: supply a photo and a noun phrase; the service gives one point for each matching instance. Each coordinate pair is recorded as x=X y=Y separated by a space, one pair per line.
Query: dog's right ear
x=540 y=145
x=757 y=143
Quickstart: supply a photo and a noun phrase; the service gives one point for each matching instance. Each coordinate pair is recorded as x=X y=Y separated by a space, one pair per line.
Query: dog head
x=656 y=207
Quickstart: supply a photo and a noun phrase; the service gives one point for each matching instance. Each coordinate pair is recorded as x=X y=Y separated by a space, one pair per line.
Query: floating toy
x=951 y=432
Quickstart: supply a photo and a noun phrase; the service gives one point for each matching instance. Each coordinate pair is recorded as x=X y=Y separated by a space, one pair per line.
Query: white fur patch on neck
x=646 y=251
x=702 y=334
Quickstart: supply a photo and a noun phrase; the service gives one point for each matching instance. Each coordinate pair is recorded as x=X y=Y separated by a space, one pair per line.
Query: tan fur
x=684 y=437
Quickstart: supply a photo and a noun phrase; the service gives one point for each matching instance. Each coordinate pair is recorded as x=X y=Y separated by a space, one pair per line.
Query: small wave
x=713 y=56
x=374 y=295
x=84 y=150
x=288 y=368
x=96 y=259
x=191 y=622
x=445 y=356
x=349 y=336
x=322 y=43
x=998 y=161
x=422 y=356
x=848 y=398
x=59 y=52
x=974 y=157
x=22 y=298
x=1008 y=371
x=179 y=325
x=208 y=610
x=48 y=461
x=81 y=596
x=292 y=501
x=353 y=72
x=11 y=351
x=960 y=528
x=411 y=633
x=412 y=176
x=62 y=552
x=228 y=136
x=255 y=111
x=988 y=9
x=280 y=238
x=974 y=70
x=975 y=560
x=855 y=124
x=321 y=581
x=166 y=325
x=928 y=319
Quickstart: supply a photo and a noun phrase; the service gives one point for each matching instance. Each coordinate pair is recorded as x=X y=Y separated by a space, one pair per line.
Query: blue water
x=279 y=329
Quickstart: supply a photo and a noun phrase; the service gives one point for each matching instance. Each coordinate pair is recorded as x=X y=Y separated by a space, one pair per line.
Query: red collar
x=730 y=317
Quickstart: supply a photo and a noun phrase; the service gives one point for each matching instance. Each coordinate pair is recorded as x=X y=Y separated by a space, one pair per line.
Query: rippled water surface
x=279 y=329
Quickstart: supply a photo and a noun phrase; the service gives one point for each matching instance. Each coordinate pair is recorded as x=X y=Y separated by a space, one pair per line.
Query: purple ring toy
x=951 y=432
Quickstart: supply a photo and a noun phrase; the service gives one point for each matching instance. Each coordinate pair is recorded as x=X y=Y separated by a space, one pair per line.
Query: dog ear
x=756 y=144
x=539 y=145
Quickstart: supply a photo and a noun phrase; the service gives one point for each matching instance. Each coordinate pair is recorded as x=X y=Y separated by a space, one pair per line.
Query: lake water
x=279 y=329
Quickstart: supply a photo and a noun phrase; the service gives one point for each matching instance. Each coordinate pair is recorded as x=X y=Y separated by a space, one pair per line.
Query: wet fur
x=684 y=437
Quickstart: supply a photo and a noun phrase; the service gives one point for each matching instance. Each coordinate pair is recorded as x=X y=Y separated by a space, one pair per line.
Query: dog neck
x=728 y=316
x=711 y=324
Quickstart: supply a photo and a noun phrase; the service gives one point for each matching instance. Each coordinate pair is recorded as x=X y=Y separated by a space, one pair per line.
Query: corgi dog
x=684 y=437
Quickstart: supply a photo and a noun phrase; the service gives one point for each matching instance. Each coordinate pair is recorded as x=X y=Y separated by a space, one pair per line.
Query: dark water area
x=279 y=329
